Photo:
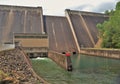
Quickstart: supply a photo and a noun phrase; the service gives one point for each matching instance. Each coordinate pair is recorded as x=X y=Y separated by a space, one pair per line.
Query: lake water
x=86 y=70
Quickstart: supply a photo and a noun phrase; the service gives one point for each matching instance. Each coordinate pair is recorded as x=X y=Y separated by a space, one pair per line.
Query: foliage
x=109 y=12
x=110 y=30
x=3 y=75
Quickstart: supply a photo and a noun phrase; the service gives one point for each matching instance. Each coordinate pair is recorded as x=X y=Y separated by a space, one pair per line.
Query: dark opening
x=44 y=54
x=74 y=53
x=31 y=55
x=63 y=52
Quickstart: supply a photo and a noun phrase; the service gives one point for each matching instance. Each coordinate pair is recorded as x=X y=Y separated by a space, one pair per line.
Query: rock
x=15 y=63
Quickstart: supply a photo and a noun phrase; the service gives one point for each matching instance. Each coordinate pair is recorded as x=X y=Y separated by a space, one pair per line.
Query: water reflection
x=86 y=70
x=77 y=62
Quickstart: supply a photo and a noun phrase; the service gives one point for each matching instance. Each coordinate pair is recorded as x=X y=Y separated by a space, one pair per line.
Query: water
x=86 y=70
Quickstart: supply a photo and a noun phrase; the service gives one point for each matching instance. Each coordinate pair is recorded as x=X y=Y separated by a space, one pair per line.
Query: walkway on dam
x=86 y=70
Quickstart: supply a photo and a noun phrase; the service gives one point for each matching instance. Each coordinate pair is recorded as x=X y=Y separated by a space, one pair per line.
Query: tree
x=118 y=6
x=110 y=30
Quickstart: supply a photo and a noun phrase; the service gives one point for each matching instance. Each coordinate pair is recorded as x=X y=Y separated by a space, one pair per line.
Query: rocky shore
x=17 y=66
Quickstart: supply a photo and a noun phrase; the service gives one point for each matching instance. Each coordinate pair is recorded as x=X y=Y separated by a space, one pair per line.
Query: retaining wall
x=61 y=59
x=109 y=53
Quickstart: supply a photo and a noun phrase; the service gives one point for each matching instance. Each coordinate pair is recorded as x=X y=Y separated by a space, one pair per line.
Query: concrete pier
x=61 y=60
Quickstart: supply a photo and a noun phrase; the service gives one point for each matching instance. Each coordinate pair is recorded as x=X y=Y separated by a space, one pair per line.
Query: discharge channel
x=86 y=70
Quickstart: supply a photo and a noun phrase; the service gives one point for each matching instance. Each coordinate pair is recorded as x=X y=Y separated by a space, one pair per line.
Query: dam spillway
x=60 y=35
x=75 y=30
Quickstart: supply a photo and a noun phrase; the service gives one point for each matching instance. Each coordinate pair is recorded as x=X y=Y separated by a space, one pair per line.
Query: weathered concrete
x=19 y=19
x=66 y=33
x=60 y=59
x=80 y=30
x=84 y=25
x=34 y=44
x=91 y=23
x=87 y=13
x=60 y=35
x=108 y=53
x=72 y=28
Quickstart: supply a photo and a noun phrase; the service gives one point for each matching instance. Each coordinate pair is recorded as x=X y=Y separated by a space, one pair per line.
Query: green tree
x=109 y=12
x=110 y=30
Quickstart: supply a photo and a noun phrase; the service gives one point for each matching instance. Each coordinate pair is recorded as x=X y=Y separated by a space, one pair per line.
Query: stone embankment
x=16 y=64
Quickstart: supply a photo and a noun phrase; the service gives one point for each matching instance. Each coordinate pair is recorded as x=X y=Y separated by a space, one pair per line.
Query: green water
x=86 y=70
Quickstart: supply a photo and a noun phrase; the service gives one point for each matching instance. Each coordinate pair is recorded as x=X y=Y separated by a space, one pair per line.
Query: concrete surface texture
x=65 y=34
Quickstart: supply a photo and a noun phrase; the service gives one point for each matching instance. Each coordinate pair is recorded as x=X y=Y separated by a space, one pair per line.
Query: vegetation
x=110 y=30
x=3 y=75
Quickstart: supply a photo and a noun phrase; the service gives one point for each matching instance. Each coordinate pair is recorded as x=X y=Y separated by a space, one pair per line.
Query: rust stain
x=54 y=35
x=87 y=29
x=64 y=36
x=7 y=28
x=25 y=22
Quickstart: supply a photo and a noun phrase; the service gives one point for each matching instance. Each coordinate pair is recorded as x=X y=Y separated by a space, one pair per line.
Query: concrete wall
x=91 y=22
x=66 y=33
x=19 y=19
x=80 y=29
x=108 y=53
x=60 y=36
x=84 y=26
x=6 y=46
x=30 y=42
x=61 y=60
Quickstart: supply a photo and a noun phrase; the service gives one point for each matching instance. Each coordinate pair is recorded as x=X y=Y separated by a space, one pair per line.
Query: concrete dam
x=65 y=33
x=26 y=31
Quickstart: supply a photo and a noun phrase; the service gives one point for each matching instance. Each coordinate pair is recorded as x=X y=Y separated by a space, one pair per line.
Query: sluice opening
x=63 y=52
x=34 y=44
x=35 y=55
x=74 y=53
